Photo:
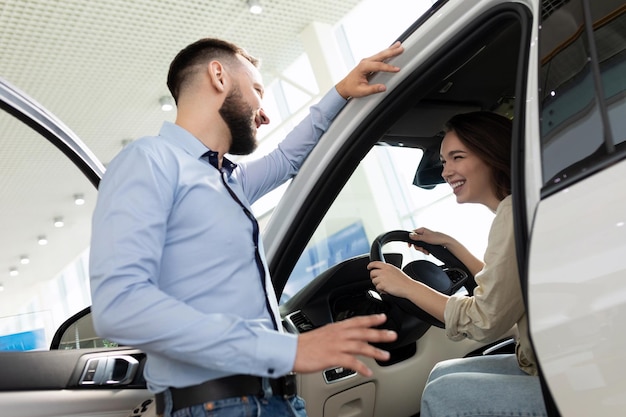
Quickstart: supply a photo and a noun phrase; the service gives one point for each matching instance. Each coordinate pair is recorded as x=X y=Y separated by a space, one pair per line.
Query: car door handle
x=109 y=370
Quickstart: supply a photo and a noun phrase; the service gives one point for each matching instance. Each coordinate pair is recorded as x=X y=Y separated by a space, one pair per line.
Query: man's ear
x=217 y=75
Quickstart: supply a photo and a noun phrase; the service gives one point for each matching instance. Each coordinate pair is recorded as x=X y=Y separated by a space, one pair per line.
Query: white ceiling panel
x=100 y=66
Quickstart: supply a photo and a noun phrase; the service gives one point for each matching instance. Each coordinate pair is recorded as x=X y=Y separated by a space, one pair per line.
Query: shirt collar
x=190 y=144
x=227 y=165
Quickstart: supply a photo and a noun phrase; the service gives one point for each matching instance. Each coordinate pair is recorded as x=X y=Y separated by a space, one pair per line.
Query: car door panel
x=72 y=403
x=577 y=298
x=56 y=383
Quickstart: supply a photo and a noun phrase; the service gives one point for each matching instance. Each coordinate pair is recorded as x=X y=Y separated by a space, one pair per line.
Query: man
x=177 y=267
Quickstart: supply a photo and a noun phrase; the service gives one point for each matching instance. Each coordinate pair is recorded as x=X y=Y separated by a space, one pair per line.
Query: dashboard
x=345 y=290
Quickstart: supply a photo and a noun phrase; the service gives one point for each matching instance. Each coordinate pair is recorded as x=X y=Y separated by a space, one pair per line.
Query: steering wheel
x=406 y=318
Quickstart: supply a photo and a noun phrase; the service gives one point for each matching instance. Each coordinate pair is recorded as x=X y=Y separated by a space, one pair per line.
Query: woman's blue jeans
x=481 y=386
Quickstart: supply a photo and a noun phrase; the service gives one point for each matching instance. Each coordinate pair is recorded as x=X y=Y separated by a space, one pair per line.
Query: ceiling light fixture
x=13 y=272
x=24 y=260
x=1 y=287
x=167 y=103
x=42 y=240
x=255 y=6
x=58 y=222
x=79 y=199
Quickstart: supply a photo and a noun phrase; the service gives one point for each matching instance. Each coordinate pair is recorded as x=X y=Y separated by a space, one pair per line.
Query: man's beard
x=239 y=118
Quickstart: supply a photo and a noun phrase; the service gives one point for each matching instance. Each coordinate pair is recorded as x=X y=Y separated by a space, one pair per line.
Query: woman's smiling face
x=468 y=175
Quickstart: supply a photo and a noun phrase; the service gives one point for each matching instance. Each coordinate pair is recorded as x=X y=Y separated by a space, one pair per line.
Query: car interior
x=479 y=71
x=321 y=275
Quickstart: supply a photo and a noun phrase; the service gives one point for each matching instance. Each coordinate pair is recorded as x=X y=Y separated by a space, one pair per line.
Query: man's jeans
x=249 y=406
x=481 y=386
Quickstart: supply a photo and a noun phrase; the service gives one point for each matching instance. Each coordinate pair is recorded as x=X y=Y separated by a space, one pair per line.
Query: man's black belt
x=227 y=387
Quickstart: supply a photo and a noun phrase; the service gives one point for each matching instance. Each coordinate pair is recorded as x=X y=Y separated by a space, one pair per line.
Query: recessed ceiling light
x=1 y=287
x=167 y=103
x=79 y=199
x=42 y=240
x=255 y=6
x=58 y=222
x=24 y=260
x=13 y=272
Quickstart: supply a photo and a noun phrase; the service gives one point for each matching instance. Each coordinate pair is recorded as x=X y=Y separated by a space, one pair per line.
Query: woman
x=475 y=153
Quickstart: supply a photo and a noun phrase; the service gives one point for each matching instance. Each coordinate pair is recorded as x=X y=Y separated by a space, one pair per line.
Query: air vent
x=298 y=322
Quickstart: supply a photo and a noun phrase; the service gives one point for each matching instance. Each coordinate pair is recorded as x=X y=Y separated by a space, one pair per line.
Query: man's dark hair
x=201 y=52
x=488 y=135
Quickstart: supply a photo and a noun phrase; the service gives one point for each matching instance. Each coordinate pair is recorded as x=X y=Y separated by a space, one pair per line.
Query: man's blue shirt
x=172 y=262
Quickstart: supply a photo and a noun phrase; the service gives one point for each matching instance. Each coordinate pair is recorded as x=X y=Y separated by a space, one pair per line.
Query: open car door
x=53 y=365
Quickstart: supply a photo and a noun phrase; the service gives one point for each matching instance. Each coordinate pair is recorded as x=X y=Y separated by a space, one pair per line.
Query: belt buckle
x=290 y=387
x=285 y=386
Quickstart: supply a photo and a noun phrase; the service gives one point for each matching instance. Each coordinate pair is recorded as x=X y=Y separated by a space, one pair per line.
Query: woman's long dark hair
x=488 y=135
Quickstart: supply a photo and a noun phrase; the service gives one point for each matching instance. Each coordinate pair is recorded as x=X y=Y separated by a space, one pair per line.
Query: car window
x=380 y=197
x=44 y=238
x=583 y=87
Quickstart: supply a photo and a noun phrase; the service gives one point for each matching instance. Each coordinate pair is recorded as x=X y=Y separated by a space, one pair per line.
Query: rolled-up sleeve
x=497 y=303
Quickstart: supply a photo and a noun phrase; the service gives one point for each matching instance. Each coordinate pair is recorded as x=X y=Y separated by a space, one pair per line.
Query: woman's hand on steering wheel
x=426 y=235
x=388 y=279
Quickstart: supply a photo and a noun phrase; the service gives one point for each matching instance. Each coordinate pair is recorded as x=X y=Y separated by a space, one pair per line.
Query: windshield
x=379 y=197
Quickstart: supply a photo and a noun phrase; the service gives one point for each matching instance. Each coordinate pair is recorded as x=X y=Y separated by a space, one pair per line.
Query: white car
x=558 y=69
